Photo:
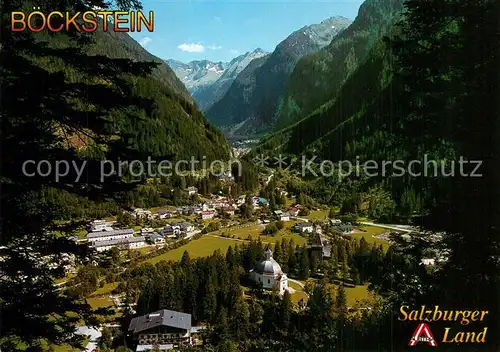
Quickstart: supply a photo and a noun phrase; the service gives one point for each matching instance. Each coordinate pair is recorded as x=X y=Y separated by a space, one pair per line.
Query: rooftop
x=119 y=241
x=163 y=317
x=109 y=233
x=141 y=348
x=269 y=266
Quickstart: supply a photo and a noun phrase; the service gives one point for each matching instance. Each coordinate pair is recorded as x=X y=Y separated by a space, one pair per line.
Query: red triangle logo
x=422 y=334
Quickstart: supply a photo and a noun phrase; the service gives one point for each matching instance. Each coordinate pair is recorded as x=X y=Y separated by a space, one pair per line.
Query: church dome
x=269 y=266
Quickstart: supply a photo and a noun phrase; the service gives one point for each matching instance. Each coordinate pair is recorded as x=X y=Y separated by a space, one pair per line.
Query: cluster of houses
x=210 y=208
x=292 y=212
x=178 y=229
x=103 y=236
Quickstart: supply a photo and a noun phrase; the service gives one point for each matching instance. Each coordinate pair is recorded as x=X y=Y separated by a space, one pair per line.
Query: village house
x=155 y=238
x=282 y=216
x=186 y=210
x=142 y=213
x=285 y=217
x=163 y=329
x=206 y=215
x=304 y=227
x=184 y=226
x=191 y=190
x=343 y=227
x=101 y=225
x=165 y=214
x=321 y=249
x=171 y=231
x=294 y=211
x=229 y=210
x=145 y=230
x=335 y=221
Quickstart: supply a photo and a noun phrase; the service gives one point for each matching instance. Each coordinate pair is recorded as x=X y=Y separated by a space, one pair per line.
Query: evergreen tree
x=341 y=302
x=285 y=310
x=303 y=263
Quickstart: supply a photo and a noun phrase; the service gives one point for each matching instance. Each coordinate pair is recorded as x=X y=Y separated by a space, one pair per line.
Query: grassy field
x=106 y=289
x=202 y=247
x=297 y=296
x=144 y=250
x=68 y=276
x=165 y=207
x=66 y=348
x=317 y=215
x=354 y=294
x=295 y=286
x=99 y=302
x=368 y=235
x=256 y=230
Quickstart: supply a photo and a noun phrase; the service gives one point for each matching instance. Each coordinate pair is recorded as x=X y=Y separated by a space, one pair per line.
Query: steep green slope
x=167 y=122
x=318 y=77
x=330 y=128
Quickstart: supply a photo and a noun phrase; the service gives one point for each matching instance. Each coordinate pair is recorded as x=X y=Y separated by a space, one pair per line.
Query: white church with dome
x=268 y=273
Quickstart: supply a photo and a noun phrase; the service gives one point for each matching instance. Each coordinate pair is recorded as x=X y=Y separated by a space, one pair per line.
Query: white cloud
x=191 y=47
x=234 y=51
x=214 y=47
x=145 y=41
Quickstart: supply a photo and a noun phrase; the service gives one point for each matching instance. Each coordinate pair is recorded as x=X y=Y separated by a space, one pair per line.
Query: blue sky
x=219 y=30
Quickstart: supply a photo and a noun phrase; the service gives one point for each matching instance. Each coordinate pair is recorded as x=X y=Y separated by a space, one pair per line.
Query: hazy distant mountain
x=208 y=81
x=196 y=74
x=250 y=103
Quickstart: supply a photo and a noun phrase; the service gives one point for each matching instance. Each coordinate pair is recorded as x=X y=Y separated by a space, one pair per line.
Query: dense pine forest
x=406 y=79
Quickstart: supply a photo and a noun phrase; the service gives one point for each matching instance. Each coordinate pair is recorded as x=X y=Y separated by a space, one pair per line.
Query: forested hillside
x=318 y=77
x=165 y=119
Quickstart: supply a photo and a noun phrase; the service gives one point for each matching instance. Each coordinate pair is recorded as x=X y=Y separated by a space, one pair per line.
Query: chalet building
x=101 y=225
x=142 y=213
x=183 y=226
x=304 y=227
x=155 y=238
x=294 y=211
x=163 y=329
x=281 y=216
x=165 y=214
x=322 y=250
x=206 y=215
x=229 y=210
x=284 y=217
x=343 y=227
x=170 y=231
